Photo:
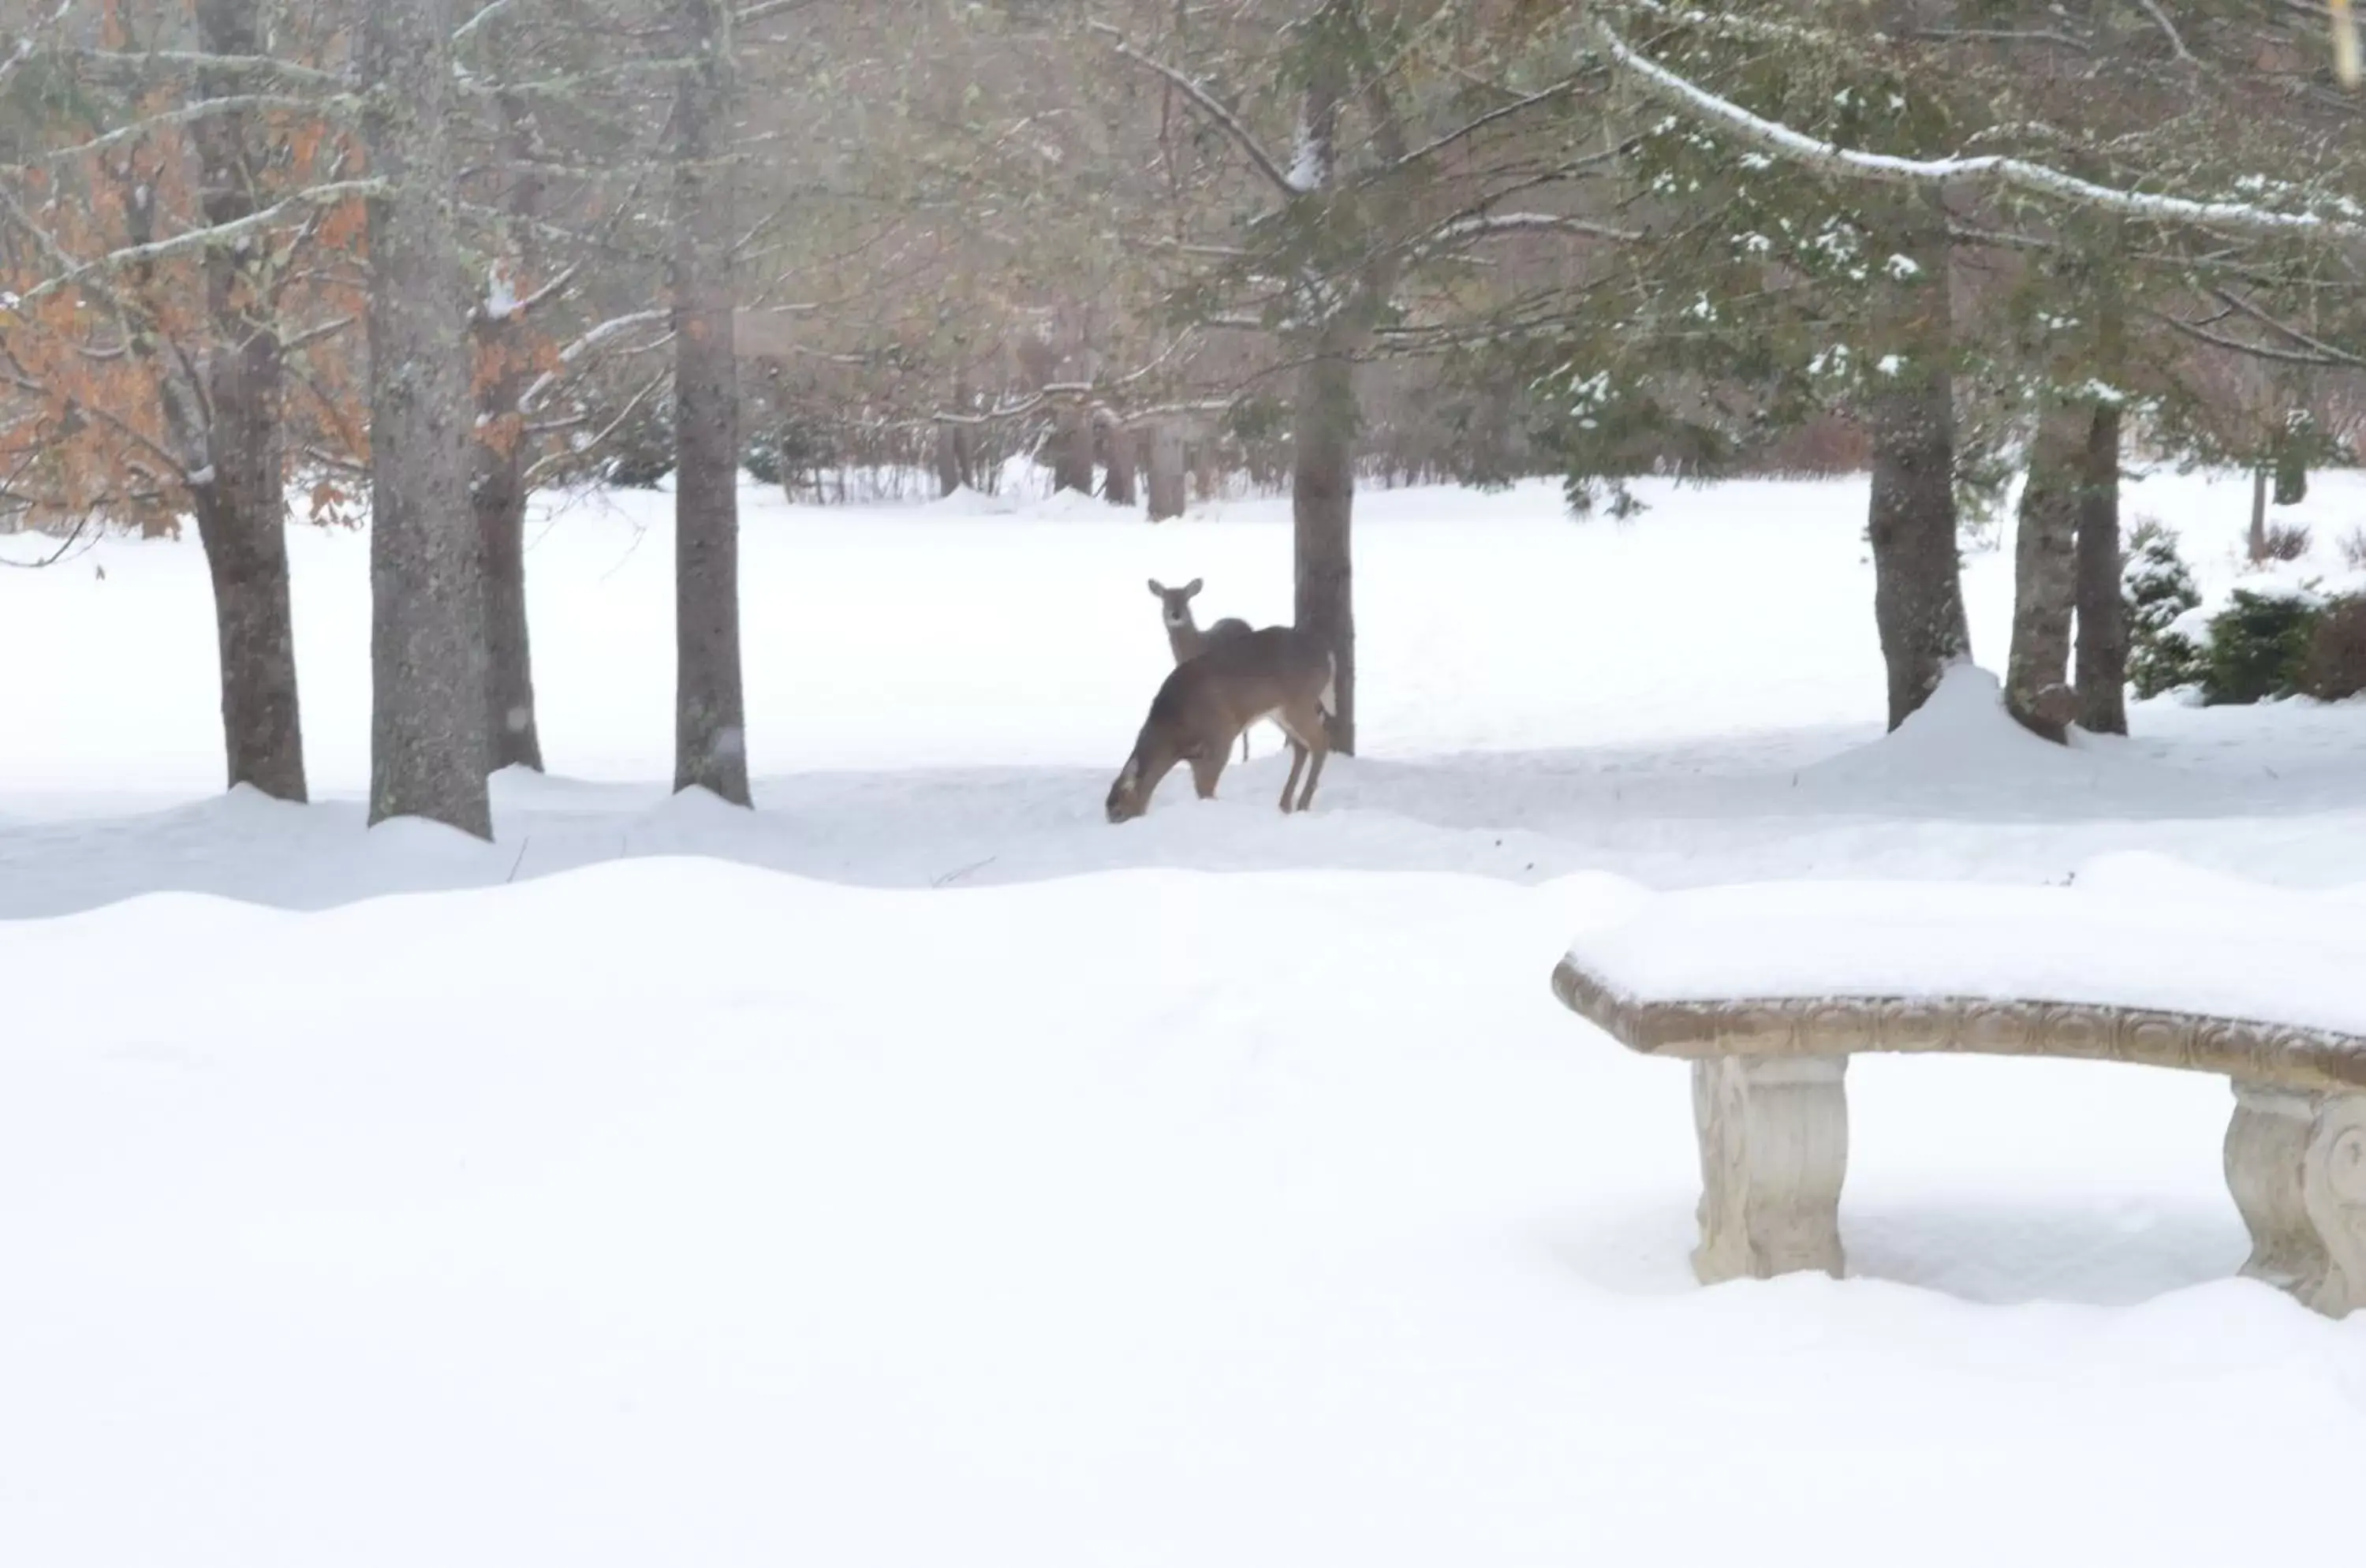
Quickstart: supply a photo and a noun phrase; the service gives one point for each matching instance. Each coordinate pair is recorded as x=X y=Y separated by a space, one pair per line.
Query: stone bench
x=1769 y=990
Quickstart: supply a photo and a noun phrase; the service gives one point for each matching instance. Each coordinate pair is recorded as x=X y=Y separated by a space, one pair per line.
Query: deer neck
x=1185 y=639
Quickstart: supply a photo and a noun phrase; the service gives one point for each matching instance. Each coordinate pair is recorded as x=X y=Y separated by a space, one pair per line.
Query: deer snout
x=1125 y=803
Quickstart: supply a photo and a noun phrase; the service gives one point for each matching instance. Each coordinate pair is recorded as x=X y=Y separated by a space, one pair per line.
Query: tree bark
x=1119 y=488
x=1167 y=470
x=427 y=636
x=499 y=490
x=1322 y=506
x=1324 y=414
x=2046 y=571
x=2258 y=543
x=2102 y=615
x=1918 y=578
x=948 y=465
x=241 y=507
x=710 y=711
x=1072 y=449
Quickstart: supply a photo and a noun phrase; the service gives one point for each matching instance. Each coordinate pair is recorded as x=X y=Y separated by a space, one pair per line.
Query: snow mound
x=967 y=503
x=1963 y=741
x=1076 y=506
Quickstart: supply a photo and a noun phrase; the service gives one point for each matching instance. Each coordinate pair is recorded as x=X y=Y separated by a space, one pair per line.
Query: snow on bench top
x=2297 y=961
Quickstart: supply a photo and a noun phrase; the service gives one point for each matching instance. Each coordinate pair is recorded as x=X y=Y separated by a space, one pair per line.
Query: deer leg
x=1206 y=770
x=1307 y=736
x=1296 y=763
x=1306 y=797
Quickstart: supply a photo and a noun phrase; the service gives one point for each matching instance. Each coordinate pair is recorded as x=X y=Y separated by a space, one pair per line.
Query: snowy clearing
x=1091 y=1208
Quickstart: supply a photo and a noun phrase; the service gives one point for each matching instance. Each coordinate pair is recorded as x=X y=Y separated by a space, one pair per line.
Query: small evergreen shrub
x=2335 y=669
x=2258 y=647
x=2155 y=589
x=760 y=456
x=2287 y=541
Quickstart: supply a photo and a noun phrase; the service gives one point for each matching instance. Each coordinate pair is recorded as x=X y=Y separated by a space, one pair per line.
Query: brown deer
x=1183 y=634
x=1279 y=673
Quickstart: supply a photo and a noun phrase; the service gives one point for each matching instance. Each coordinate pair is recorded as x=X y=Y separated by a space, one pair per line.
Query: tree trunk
x=2102 y=617
x=499 y=490
x=241 y=510
x=1072 y=449
x=1322 y=506
x=1207 y=467
x=1918 y=598
x=427 y=636
x=1119 y=488
x=948 y=465
x=2045 y=572
x=1166 y=470
x=710 y=713
x=2259 y=514
x=1324 y=414
x=512 y=737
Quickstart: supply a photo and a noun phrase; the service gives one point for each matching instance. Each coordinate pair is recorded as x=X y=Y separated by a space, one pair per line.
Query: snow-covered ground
x=1005 y=1187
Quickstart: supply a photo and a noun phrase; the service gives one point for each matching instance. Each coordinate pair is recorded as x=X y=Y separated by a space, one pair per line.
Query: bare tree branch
x=1207 y=105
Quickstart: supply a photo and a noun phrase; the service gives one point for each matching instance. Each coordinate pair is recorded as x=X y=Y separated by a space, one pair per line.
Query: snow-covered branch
x=24 y=49
x=2038 y=179
x=607 y=330
x=190 y=114
x=211 y=235
x=149 y=68
x=1521 y=223
x=485 y=13
x=1206 y=102
x=2176 y=40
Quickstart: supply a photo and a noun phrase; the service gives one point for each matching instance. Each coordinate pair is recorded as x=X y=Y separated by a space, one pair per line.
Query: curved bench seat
x=1769 y=1093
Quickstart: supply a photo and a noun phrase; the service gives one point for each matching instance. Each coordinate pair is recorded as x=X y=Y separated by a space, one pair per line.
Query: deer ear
x=1192 y=587
x=1156 y=590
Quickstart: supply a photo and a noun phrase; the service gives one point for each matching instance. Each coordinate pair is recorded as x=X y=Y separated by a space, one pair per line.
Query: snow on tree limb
x=190 y=114
x=24 y=49
x=2176 y=41
x=485 y=13
x=152 y=67
x=614 y=326
x=1207 y=105
x=1824 y=157
x=205 y=238
x=1524 y=222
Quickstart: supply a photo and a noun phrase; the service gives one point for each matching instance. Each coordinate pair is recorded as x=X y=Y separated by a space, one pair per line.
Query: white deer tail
x=1329 y=699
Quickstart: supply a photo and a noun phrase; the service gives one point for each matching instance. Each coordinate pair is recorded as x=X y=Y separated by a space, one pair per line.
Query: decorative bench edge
x=2309 y=1060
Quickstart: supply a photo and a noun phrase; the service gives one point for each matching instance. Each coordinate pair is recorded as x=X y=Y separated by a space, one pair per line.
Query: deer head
x=1155 y=756
x=1176 y=603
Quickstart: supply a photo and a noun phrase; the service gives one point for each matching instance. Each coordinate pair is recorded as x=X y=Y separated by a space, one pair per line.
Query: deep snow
x=1089 y=1208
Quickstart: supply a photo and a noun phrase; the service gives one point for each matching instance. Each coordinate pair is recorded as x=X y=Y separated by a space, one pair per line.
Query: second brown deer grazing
x=1183 y=634
x=1279 y=673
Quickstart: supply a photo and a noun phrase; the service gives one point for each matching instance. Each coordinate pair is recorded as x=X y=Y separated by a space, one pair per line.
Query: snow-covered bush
x=2156 y=589
x=2259 y=644
x=2336 y=651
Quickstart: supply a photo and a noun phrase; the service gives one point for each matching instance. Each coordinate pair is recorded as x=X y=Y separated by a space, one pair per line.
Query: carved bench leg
x=2296 y=1165
x=1773 y=1144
